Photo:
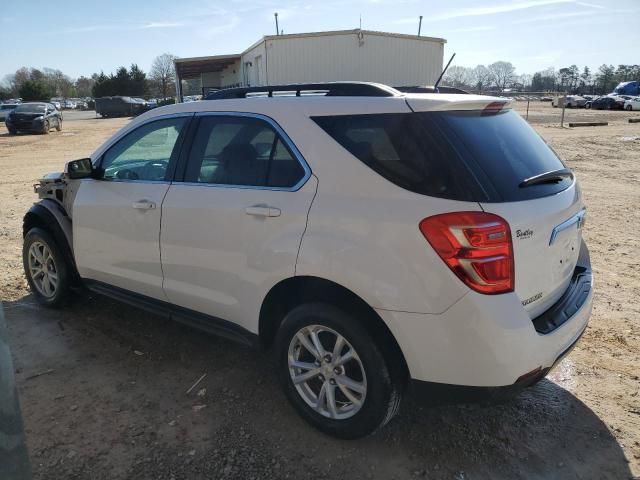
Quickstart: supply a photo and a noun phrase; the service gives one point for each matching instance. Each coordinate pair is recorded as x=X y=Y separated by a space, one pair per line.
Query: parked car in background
x=607 y=103
x=56 y=104
x=69 y=104
x=350 y=233
x=6 y=109
x=546 y=99
x=36 y=117
x=571 y=101
x=632 y=104
x=119 y=107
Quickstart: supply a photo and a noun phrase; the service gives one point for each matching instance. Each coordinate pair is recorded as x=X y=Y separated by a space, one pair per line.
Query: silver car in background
x=572 y=101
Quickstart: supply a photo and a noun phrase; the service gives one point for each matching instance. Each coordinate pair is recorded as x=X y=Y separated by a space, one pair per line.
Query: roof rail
x=329 y=89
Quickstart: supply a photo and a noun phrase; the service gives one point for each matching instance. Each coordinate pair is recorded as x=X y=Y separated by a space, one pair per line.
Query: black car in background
x=120 y=106
x=35 y=117
x=607 y=103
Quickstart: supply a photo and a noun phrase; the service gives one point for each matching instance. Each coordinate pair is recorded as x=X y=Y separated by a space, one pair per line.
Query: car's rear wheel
x=45 y=267
x=333 y=372
x=59 y=125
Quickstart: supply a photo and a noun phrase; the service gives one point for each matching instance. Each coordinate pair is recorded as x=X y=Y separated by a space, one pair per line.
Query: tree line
x=35 y=84
x=502 y=75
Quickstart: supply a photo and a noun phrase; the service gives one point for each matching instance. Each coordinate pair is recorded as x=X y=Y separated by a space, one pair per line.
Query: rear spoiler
x=444 y=102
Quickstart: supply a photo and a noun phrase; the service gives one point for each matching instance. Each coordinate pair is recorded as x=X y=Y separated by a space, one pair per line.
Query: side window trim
x=176 y=154
x=280 y=134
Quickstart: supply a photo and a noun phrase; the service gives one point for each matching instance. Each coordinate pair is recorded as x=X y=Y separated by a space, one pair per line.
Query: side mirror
x=82 y=168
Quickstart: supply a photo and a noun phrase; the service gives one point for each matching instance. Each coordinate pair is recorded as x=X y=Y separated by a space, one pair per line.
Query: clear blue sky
x=80 y=37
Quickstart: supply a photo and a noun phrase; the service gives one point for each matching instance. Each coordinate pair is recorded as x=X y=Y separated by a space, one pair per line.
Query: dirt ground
x=111 y=401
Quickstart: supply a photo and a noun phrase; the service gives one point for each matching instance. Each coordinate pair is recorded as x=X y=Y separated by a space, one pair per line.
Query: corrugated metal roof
x=345 y=32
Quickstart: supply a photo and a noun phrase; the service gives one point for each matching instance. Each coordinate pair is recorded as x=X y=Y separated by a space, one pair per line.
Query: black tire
x=628 y=107
x=60 y=264
x=45 y=127
x=12 y=131
x=59 y=125
x=383 y=392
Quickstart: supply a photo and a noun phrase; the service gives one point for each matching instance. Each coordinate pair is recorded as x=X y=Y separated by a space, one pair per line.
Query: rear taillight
x=476 y=246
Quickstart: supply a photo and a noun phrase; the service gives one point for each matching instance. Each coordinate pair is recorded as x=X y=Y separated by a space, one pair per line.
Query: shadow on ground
x=103 y=390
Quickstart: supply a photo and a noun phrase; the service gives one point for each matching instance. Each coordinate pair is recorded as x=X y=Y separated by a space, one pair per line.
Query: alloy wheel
x=327 y=372
x=42 y=269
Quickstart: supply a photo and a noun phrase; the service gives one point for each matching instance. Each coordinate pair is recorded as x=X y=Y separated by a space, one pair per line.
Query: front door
x=116 y=217
x=232 y=229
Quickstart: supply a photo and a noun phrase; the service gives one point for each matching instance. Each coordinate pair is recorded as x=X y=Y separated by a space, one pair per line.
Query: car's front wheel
x=45 y=267
x=45 y=127
x=59 y=125
x=334 y=373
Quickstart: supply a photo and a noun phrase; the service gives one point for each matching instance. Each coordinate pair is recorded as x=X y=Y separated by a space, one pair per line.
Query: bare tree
x=163 y=72
x=502 y=74
x=481 y=77
x=457 y=76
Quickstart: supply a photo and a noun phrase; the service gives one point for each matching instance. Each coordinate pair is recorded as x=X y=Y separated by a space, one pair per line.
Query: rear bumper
x=437 y=393
x=489 y=341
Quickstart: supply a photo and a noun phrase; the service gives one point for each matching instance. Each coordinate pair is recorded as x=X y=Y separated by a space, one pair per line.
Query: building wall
x=254 y=65
x=345 y=57
x=210 y=79
x=231 y=76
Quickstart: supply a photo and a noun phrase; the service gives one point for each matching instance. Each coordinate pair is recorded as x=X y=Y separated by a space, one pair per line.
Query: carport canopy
x=188 y=68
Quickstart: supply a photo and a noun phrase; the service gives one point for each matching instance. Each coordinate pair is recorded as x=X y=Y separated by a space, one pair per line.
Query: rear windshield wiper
x=553 y=176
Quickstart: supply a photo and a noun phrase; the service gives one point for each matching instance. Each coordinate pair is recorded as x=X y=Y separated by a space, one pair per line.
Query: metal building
x=347 y=55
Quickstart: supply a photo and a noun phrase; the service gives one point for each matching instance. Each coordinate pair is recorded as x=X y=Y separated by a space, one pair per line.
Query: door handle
x=144 y=204
x=262 y=211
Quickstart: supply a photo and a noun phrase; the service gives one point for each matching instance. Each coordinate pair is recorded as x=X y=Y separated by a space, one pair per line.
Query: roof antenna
x=435 y=87
x=360 y=21
x=277 y=29
x=420 y=25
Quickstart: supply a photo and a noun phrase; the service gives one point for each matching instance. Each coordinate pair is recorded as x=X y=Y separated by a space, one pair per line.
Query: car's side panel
x=373 y=247
x=220 y=260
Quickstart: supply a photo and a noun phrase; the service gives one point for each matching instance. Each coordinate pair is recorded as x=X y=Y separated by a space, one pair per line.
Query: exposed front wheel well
x=295 y=291
x=40 y=217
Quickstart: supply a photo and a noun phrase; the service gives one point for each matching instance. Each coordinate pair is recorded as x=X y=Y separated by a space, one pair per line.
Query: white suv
x=369 y=237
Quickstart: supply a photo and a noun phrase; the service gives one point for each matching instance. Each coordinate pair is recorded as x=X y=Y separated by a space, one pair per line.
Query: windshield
x=33 y=108
x=7 y=107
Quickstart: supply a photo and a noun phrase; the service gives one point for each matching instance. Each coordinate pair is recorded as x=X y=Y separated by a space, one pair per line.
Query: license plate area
x=564 y=245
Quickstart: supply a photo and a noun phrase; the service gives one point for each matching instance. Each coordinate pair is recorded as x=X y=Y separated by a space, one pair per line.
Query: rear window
x=460 y=155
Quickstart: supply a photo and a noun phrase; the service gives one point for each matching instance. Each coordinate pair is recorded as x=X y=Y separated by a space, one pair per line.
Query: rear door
x=232 y=228
x=502 y=151
x=116 y=217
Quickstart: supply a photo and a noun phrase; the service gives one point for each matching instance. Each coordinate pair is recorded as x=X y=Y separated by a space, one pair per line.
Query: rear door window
x=241 y=151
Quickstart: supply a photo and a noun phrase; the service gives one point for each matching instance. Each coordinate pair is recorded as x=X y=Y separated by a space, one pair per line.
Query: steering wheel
x=127 y=174
x=154 y=170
